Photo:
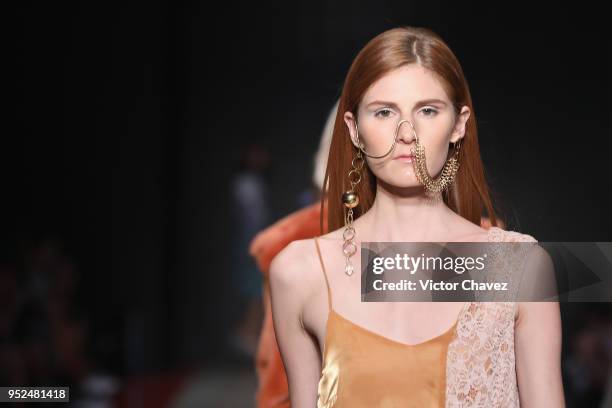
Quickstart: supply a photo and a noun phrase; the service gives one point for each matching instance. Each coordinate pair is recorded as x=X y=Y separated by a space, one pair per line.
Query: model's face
x=408 y=93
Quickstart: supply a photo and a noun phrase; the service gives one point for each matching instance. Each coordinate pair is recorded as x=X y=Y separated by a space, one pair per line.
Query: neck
x=405 y=214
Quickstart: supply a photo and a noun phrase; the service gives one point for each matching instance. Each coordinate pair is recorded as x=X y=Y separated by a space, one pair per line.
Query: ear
x=460 y=124
x=351 y=123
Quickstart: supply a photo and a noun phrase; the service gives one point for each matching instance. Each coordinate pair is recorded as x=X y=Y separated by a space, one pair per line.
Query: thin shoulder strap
x=329 y=296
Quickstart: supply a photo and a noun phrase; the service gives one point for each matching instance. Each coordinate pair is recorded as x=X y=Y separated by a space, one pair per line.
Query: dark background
x=126 y=122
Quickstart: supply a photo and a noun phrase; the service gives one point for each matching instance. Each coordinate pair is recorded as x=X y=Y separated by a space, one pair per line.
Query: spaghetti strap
x=329 y=296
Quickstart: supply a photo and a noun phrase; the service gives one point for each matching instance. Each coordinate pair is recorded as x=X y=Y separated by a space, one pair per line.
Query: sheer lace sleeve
x=480 y=368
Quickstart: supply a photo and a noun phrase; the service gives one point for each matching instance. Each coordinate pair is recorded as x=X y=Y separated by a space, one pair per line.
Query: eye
x=430 y=111
x=387 y=111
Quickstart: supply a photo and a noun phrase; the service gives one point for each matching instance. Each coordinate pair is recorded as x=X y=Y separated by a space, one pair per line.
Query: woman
x=405 y=97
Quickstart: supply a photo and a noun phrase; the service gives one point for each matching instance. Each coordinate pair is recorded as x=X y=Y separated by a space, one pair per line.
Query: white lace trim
x=480 y=370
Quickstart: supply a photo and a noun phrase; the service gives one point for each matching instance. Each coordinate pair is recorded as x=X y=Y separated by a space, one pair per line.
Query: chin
x=408 y=181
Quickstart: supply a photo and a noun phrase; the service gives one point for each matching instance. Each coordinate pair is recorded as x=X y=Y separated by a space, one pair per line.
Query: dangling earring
x=350 y=199
x=447 y=176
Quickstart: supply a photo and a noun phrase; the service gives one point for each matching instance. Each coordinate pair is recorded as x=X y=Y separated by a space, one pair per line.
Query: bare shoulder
x=292 y=270
x=335 y=235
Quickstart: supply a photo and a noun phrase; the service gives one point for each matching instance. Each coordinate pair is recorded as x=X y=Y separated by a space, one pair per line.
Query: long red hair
x=469 y=194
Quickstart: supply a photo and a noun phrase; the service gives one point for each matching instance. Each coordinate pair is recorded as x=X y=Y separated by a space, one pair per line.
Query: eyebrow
x=417 y=105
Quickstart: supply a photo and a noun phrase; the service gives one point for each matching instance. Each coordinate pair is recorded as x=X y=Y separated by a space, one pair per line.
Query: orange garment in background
x=273 y=391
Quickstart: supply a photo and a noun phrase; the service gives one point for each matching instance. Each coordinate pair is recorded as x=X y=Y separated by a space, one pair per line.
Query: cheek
x=376 y=135
x=435 y=137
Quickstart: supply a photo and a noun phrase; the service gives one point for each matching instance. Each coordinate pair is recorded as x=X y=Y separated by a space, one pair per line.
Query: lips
x=405 y=157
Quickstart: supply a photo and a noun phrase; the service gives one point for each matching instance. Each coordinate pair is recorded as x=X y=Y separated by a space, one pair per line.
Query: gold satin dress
x=364 y=369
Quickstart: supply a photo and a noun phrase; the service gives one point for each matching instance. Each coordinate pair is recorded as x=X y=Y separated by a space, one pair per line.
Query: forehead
x=409 y=83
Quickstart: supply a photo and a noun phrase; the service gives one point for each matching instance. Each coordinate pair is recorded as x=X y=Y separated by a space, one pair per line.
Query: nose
x=405 y=131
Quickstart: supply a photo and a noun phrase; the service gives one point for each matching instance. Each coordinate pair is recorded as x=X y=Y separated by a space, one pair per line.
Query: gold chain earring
x=447 y=175
x=350 y=199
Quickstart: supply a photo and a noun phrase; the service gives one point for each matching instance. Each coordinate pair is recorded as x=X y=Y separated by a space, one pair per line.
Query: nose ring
x=362 y=147
x=411 y=126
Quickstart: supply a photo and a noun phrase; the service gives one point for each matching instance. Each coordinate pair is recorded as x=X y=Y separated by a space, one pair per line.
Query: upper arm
x=538 y=334
x=538 y=355
x=298 y=349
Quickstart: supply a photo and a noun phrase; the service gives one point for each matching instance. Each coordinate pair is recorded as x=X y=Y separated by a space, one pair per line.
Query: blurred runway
x=231 y=388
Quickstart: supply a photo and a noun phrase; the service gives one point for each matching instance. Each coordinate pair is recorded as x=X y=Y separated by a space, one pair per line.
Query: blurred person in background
x=250 y=213
x=305 y=223
x=589 y=362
